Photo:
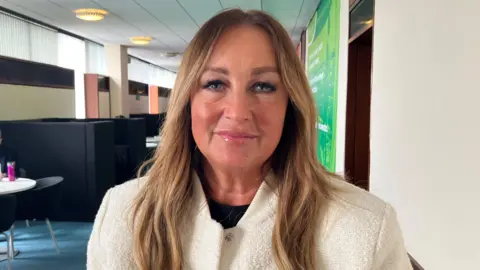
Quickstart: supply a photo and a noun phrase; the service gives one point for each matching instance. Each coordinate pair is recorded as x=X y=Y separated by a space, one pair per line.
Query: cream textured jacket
x=359 y=232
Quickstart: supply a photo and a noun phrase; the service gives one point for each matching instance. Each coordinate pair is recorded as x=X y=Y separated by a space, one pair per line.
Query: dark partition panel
x=82 y=153
x=136 y=138
x=100 y=158
x=153 y=122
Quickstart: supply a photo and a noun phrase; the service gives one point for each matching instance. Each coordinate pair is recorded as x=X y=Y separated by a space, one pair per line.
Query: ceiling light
x=141 y=40
x=169 y=54
x=368 y=22
x=90 y=14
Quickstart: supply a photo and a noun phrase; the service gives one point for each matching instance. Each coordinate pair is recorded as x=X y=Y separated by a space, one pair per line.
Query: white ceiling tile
x=243 y=4
x=143 y=22
x=284 y=11
x=308 y=9
x=171 y=14
x=71 y=5
x=201 y=11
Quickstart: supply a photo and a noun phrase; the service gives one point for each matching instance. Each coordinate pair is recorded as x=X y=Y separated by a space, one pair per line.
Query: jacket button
x=229 y=237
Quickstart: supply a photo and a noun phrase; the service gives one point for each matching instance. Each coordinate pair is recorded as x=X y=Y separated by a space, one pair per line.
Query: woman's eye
x=263 y=87
x=215 y=85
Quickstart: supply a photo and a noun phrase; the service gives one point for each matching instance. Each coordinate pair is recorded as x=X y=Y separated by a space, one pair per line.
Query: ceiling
x=172 y=23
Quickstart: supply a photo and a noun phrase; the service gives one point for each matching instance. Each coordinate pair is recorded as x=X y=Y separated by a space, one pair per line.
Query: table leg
x=3 y=253
x=3 y=250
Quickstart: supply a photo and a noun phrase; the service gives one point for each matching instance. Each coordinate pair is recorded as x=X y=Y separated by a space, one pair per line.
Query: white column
x=117 y=69
x=71 y=55
x=425 y=127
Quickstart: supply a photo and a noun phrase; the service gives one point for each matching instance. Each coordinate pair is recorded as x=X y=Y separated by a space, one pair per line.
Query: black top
x=226 y=215
x=7 y=154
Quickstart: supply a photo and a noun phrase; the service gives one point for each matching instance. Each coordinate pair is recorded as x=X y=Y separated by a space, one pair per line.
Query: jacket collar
x=262 y=207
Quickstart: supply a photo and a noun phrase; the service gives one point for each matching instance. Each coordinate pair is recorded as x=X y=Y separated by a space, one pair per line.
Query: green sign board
x=323 y=35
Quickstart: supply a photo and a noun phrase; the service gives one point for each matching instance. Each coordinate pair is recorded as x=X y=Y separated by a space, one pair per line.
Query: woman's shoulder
x=359 y=223
x=357 y=199
x=127 y=191
x=110 y=242
x=118 y=202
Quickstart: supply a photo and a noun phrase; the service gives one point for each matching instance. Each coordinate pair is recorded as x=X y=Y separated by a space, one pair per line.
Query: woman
x=235 y=183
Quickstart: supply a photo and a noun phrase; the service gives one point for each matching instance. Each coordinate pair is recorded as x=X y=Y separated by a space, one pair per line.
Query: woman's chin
x=233 y=161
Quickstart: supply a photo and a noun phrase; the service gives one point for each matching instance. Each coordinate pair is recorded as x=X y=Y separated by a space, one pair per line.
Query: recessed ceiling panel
x=243 y=4
x=201 y=11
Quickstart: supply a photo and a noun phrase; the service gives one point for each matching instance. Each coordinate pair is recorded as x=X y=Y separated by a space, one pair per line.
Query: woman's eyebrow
x=217 y=70
x=255 y=71
x=266 y=69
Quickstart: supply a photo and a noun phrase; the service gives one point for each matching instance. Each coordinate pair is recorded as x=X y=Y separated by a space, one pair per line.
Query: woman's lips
x=235 y=136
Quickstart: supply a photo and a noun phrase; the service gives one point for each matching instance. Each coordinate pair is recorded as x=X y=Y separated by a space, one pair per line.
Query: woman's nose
x=238 y=106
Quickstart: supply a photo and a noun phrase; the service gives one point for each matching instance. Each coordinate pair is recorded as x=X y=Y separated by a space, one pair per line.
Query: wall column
x=153 y=99
x=117 y=70
x=91 y=95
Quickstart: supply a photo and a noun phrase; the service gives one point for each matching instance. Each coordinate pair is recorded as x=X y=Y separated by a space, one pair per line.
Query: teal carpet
x=37 y=251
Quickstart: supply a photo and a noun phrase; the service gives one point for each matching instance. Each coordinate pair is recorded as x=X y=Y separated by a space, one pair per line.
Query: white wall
x=163 y=104
x=28 y=102
x=138 y=106
x=103 y=104
x=425 y=128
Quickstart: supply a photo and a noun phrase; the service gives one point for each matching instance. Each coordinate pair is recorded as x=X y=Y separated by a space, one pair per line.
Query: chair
x=41 y=202
x=23 y=173
x=7 y=218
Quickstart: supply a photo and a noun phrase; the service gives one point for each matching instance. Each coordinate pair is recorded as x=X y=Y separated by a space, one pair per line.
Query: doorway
x=357 y=143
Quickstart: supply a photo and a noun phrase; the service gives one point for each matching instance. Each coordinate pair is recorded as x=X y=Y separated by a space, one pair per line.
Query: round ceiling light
x=141 y=40
x=90 y=14
x=169 y=54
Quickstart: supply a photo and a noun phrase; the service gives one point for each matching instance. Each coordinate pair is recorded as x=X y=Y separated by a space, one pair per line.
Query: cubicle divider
x=130 y=146
x=129 y=140
x=82 y=153
x=154 y=122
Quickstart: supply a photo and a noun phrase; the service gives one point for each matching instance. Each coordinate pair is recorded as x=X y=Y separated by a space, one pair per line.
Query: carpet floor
x=37 y=250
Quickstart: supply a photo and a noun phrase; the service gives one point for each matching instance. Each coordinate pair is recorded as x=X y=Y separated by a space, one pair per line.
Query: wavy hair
x=303 y=184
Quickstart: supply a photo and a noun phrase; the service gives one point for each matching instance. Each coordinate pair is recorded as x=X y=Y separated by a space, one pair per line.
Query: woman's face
x=239 y=107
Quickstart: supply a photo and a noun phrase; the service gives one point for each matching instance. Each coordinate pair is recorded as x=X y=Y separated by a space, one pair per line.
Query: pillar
x=153 y=99
x=91 y=96
x=117 y=70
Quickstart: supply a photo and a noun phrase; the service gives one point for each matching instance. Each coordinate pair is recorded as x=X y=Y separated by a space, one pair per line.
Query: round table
x=7 y=187
x=19 y=185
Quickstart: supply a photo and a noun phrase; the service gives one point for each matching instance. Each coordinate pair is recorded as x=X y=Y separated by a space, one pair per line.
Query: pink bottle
x=11 y=171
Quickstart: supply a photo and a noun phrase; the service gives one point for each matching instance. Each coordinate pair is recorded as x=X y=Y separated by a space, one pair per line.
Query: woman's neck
x=231 y=187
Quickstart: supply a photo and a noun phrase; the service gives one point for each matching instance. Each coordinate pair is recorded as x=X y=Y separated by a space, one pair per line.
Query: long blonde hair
x=303 y=184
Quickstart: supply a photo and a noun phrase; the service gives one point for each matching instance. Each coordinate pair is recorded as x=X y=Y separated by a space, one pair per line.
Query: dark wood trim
x=32 y=62
x=357 y=133
x=137 y=88
x=103 y=83
x=149 y=63
x=361 y=12
x=359 y=33
x=15 y=71
x=164 y=92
